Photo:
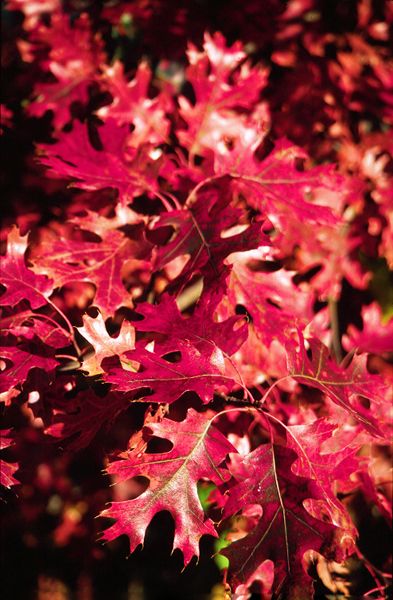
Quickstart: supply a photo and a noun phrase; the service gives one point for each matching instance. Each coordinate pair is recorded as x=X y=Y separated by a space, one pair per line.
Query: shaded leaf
x=21 y=282
x=7 y=469
x=345 y=386
x=285 y=531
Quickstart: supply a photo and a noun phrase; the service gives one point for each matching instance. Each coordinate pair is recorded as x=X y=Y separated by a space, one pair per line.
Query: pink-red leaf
x=199 y=228
x=21 y=282
x=68 y=258
x=22 y=361
x=286 y=530
x=7 y=469
x=345 y=386
x=198 y=449
x=168 y=380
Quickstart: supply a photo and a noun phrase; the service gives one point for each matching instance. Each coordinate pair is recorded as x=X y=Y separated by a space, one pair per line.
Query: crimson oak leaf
x=285 y=531
x=69 y=258
x=168 y=379
x=278 y=189
x=73 y=60
x=198 y=232
x=201 y=329
x=118 y=166
x=223 y=90
x=78 y=420
x=131 y=104
x=28 y=325
x=344 y=386
x=22 y=283
x=22 y=361
x=7 y=469
x=198 y=450
x=274 y=302
x=375 y=336
x=324 y=467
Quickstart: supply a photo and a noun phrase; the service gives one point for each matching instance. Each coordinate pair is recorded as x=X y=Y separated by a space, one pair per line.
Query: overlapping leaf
x=198 y=450
x=276 y=187
x=191 y=354
x=202 y=329
x=198 y=232
x=166 y=379
x=27 y=325
x=69 y=258
x=76 y=421
x=22 y=283
x=116 y=165
x=285 y=531
x=222 y=90
x=95 y=332
x=73 y=58
x=131 y=104
x=345 y=387
x=19 y=362
x=324 y=467
x=7 y=469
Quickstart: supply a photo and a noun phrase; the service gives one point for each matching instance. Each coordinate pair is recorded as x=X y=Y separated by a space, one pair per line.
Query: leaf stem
x=69 y=325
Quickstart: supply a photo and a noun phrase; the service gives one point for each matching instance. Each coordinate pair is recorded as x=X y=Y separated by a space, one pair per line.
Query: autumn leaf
x=76 y=421
x=278 y=189
x=68 y=257
x=201 y=329
x=22 y=283
x=168 y=379
x=116 y=166
x=19 y=362
x=198 y=450
x=198 y=232
x=28 y=325
x=344 y=386
x=131 y=104
x=72 y=63
x=7 y=469
x=95 y=332
x=325 y=467
x=223 y=89
x=285 y=531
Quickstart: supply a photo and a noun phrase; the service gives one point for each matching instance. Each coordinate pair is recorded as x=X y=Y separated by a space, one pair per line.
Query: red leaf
x=73 y=60
x=199 y=229
x=117 y=165
x=324 y=467
x=201 y=329
x=286 y=530
x=28 y=325
x=20 y=282
x=7 y=469
x=376 y=336
x=68 y=258
x=278 y=189
x=131 y=104
x=345 y=387
x=169 y=380
x=82 y=417
x=221 y=90
x=198 y=449
x=22 y=361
